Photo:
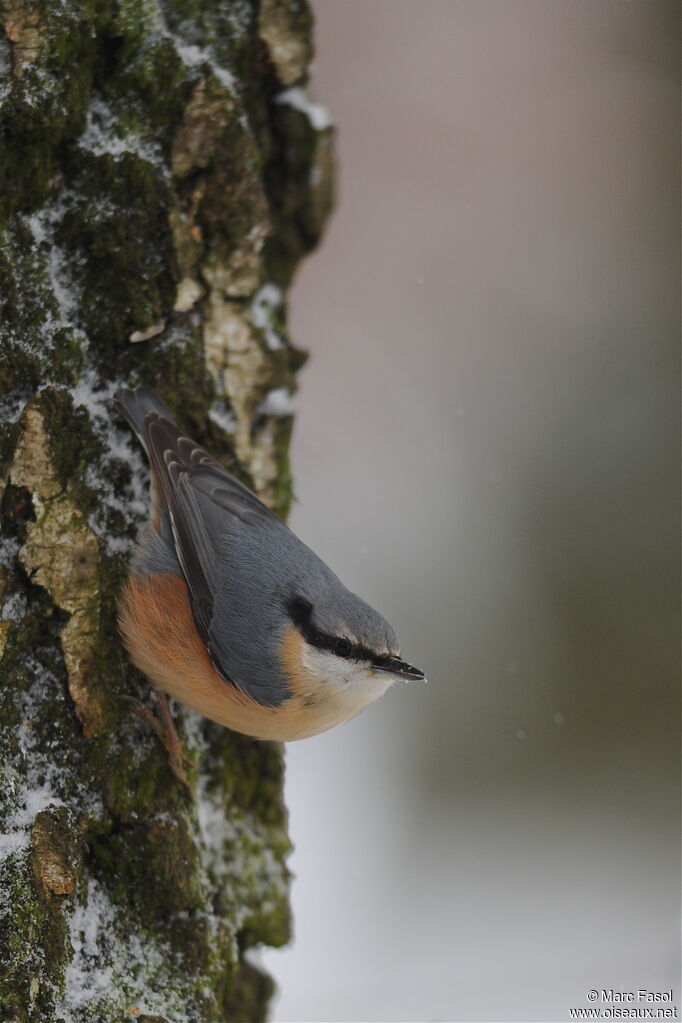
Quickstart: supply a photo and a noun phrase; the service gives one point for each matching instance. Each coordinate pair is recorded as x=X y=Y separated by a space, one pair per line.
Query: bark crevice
x=157 y=197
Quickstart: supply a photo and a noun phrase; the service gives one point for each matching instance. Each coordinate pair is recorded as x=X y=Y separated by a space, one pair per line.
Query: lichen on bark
x=157 y=194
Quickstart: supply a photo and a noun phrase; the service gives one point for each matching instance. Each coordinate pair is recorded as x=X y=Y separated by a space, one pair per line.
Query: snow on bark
x=159 y=196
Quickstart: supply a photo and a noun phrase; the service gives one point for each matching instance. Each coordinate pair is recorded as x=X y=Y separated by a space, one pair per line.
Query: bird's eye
x=343 y=648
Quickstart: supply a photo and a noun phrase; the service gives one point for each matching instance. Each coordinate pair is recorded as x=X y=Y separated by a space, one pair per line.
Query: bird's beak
x=401 y=669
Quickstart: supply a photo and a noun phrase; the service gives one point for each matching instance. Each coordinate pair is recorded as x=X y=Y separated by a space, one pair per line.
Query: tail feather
x=135 y=404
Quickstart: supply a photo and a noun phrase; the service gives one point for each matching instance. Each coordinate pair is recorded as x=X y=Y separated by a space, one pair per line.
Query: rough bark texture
x=163 y=173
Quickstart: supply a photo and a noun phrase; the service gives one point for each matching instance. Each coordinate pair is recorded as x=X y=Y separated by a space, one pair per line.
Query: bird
x=227 y=611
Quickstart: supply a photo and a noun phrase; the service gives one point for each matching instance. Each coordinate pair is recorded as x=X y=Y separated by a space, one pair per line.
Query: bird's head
x=346 y=643
x=289 y=629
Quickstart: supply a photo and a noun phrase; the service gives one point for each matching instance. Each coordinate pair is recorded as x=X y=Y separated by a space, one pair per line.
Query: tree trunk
x=163 y=174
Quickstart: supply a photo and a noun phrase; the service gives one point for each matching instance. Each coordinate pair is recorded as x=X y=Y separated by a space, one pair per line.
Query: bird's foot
x=164 y=728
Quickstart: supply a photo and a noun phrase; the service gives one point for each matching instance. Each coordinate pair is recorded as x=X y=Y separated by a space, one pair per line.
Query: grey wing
x=200 y=498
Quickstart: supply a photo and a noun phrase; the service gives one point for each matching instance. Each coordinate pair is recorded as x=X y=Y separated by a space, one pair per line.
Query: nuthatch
x=229 y=612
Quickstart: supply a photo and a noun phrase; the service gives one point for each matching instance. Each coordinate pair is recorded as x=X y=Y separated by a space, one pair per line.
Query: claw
x=164 y=728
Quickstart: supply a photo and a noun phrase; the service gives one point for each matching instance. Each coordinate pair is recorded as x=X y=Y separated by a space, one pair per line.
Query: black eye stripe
x=331 y=643
x=301 y=610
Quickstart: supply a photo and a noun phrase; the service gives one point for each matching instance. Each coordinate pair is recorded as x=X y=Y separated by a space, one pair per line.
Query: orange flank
x=162 y=639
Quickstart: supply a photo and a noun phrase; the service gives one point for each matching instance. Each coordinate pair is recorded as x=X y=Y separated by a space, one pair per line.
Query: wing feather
x=188 y=476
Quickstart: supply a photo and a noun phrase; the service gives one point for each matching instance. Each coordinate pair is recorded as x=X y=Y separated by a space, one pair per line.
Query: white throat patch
x=351 y=682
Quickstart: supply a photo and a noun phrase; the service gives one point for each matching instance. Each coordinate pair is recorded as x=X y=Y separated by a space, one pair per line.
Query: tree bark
x=163 y=173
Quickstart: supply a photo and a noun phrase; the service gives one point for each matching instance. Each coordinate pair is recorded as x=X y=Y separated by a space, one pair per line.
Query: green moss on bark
x=152 y=186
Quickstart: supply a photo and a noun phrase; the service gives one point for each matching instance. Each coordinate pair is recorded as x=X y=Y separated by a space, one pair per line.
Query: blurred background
x=486 y=449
